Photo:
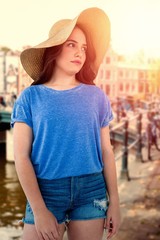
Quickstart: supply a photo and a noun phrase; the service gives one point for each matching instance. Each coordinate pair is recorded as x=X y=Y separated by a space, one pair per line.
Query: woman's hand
x=112 y=221
x=46 y=225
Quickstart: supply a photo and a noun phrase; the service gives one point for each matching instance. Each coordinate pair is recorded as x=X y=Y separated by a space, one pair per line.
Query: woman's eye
x=71 y=44
x=84 y=49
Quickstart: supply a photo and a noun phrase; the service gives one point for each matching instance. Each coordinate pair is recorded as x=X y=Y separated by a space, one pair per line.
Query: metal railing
x=125 y=143
x=136 y=138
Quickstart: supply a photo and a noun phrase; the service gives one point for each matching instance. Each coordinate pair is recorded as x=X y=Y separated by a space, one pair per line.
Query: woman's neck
x=62 y=83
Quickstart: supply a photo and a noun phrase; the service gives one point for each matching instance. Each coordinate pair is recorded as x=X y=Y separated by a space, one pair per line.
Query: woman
x=63 y=154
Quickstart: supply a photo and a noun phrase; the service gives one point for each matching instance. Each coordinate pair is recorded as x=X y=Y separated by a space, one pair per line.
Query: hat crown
x=58 y=26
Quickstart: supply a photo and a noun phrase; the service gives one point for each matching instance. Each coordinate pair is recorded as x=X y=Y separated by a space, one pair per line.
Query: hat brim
x=96 y=25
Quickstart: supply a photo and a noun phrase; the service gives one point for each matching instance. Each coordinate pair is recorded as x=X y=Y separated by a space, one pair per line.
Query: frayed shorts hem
x=67 y=220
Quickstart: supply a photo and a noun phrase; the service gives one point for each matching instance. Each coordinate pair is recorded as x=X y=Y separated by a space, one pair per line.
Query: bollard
x=118 y=109
x=149 y=140
x=124 y=169
x=139 y=131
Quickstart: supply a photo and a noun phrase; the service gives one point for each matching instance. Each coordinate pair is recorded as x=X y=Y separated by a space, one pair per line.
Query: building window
x=141 y=75
x=101 y=73
x=140 y=87
x=107 y=89
x=121 y=87
x=127 y=87
x=108 y=60
x=108 y=74
x=147 y=88
x=120 y=73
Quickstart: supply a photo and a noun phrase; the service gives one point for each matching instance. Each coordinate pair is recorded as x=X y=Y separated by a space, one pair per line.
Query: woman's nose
x=79 y=53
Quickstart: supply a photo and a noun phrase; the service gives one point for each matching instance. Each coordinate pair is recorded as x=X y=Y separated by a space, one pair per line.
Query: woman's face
x=73 y=54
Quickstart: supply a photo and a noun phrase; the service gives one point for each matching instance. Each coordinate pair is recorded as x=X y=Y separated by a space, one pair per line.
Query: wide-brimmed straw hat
x=96 y=26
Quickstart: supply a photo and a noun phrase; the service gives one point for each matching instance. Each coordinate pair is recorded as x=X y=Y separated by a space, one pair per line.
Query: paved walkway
x=140 y=200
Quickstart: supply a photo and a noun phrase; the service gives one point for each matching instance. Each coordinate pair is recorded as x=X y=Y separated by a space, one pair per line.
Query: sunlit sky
x=135 y=24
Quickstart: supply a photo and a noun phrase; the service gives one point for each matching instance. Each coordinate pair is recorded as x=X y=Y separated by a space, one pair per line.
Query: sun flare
x=139 y=31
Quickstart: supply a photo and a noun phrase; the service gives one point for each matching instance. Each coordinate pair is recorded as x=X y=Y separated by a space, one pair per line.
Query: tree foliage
x=5 y=49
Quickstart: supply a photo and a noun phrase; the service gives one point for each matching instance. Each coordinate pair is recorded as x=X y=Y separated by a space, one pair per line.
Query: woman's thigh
x=86 y=230
x=30 y=233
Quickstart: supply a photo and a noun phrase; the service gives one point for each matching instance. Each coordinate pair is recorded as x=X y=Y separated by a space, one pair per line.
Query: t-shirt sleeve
x=106 y=114
x=21 y=111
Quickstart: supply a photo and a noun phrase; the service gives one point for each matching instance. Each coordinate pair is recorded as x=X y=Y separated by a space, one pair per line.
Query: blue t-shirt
x=66 y=128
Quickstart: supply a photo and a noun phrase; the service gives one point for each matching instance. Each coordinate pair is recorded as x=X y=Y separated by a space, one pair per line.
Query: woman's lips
x=77 y=62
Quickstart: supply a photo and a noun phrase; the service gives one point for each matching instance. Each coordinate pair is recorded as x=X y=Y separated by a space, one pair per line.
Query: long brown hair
x=85 y=75
x=49 y=60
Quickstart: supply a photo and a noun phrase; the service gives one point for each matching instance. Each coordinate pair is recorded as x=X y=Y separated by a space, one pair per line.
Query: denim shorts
x=73 y=198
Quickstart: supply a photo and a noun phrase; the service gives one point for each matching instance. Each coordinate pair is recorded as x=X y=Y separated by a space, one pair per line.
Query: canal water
x=12 y=199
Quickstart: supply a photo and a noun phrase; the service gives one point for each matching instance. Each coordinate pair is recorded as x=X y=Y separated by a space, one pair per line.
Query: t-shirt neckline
x=62 y=91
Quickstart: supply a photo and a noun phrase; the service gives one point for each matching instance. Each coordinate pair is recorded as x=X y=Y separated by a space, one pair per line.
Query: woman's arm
x=113 y=214
x=22 y=136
